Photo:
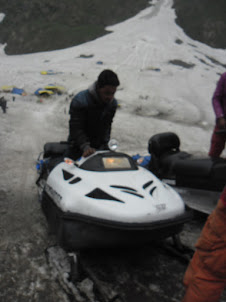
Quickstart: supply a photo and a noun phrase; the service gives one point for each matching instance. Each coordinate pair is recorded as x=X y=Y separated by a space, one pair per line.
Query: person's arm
x=107 y=127
x=88 y=151
x=221 y=122
x=78 y=115
x=218 y=97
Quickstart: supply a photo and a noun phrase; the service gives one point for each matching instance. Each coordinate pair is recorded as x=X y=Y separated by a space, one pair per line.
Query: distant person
x=3 y=104
x=205 y=277
x=91 y=115
x=219 y=106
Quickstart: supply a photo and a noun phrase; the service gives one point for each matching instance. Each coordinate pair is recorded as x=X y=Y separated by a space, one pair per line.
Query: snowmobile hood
x=120 y=193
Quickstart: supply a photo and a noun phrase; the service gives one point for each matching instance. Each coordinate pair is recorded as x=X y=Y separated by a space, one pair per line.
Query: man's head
x=107 y=84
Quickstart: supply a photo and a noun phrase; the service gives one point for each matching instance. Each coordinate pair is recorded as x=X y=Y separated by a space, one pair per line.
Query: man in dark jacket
x=91 y=115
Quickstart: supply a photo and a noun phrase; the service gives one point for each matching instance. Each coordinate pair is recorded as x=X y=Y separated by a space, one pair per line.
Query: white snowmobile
x=106 y=200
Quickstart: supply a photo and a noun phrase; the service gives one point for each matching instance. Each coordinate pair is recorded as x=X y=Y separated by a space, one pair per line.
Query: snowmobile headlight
x=113 y=144
x=68 y=161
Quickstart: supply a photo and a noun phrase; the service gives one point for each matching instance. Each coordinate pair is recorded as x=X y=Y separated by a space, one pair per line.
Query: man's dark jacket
x=90 y=120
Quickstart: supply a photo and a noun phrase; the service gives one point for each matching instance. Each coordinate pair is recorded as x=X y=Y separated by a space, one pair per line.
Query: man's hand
x=88 y=151
x=221 y=122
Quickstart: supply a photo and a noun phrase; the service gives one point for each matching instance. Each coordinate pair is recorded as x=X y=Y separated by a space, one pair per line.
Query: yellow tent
x=49 y=72
x=55 y=88
x=45 y=92
x=7 y=88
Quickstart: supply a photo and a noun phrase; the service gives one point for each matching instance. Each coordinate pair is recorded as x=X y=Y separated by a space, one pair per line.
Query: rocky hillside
x=203 y=20
x=43 y=25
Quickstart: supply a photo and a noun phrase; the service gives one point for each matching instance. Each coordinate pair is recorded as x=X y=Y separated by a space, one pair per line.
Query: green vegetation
x=203 y=20
x=41 y=25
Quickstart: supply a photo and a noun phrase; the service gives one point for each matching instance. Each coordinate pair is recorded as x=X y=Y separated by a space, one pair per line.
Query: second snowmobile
x=199 y=180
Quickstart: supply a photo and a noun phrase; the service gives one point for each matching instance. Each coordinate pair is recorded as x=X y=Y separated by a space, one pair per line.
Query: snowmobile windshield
x=116 y=163
x=109 y=161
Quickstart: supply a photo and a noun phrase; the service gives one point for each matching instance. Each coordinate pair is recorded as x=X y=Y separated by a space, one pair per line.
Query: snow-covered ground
x=167 y=81
x=155 y=95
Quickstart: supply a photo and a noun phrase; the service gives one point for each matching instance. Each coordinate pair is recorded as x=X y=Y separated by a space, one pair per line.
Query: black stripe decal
x=147 y=184
x=123 y=188
x=67 y=175
x=75 y=180
x=133 y=193
x=99 y=194
x=152 y=190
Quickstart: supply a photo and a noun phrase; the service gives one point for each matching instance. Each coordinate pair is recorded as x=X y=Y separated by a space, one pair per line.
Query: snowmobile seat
x=55 y=149
x=202 y=173
x=201 y=167
x=161 y=143
x=165 y=153
x=219 y=169
x=171 y=160
x=167 y=161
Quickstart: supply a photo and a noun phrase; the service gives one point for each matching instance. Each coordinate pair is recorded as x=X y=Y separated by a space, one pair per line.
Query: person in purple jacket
x=219 y=106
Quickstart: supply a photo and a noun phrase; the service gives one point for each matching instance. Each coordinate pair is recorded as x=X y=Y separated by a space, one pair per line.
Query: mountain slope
x=203 y=20
x=40 y=25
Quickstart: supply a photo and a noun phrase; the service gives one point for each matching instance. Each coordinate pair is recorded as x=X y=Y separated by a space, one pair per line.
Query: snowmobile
x=105 y=200
x=199 y=180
